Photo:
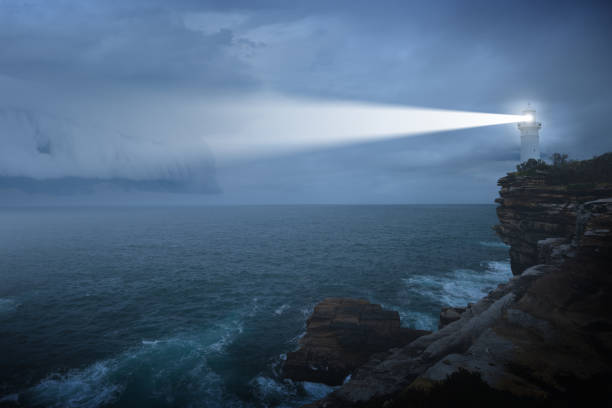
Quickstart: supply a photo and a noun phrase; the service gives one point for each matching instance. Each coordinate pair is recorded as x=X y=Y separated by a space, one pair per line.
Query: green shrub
x=563 y=171
x=531 y=167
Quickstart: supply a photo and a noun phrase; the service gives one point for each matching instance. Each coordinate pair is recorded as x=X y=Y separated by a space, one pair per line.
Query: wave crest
x=456 y=289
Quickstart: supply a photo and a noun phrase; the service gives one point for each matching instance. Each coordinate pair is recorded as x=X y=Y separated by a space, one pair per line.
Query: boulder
x=341 y=335
x=449 y=315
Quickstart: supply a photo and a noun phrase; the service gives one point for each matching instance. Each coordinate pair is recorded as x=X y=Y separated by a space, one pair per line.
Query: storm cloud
x=118 y=90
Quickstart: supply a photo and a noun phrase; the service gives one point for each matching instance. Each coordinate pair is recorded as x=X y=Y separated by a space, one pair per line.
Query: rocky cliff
x=544 y=338
x=539 y=220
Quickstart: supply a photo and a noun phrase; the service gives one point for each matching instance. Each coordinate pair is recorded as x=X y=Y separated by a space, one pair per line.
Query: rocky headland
x=544 y=338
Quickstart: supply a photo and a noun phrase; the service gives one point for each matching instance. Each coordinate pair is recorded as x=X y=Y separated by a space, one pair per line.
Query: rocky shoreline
x=543 y=338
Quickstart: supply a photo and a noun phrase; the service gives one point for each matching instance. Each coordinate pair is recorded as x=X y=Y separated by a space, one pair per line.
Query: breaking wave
x=287 y=393
x=281 y=309
x=461 y=286
x=171 y=372
x=494 y=244
x=418 y=320
x=457 y=288
x=166 y=372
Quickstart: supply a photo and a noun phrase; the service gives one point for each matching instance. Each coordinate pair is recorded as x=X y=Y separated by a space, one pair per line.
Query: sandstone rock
x=594 y=227
x=389 y=374
x=341 y=335
x=524 y=338
x=554 y=251
x=531 y=213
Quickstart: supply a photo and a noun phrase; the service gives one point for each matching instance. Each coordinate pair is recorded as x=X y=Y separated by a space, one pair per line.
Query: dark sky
x=104 y=101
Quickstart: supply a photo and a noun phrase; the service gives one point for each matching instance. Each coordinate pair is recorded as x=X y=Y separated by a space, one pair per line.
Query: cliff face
x=543 y=337
x=539 y=220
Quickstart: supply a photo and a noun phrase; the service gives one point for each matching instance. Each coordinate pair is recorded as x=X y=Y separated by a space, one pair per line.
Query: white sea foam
x=230 y=330
x=272 y=391
x=457 y=288
x=413 y=319
x=90 y=387
x=307 y=311
x=168 y=369
x=500 y=267
x=494 y=244
x=281 y=309
x=295 y=339
x=164 y=369
x=418 y=320
x=317 y=390
x=266 y=387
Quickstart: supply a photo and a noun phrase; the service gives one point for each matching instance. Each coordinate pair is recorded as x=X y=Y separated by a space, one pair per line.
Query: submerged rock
x=341 y=335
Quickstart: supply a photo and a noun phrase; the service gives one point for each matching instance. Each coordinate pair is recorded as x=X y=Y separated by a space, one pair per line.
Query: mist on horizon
x=137 y=103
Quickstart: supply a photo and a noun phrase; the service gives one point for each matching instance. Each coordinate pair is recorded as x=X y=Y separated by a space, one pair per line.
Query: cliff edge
x=546 y=212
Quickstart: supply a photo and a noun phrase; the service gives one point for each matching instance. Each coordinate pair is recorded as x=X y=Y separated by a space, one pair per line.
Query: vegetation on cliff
x=564 y=171
x=541 y=205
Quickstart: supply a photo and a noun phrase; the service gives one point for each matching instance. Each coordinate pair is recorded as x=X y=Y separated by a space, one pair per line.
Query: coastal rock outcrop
x=543 y=338
x=341 y=335
x=533 y=337
x=539 y=220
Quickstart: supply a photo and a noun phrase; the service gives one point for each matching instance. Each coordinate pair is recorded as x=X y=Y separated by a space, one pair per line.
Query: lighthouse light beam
x=271 y=126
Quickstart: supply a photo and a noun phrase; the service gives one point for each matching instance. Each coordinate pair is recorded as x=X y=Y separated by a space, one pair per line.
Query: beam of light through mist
x=268 y=126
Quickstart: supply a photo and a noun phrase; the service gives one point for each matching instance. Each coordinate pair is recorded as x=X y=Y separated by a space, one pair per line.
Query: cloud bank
x=137 y=78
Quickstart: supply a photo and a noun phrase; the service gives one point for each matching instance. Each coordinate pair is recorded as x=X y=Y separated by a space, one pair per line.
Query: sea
x=198 y=306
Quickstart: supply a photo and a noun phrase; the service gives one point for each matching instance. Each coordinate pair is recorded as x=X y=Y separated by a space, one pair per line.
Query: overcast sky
x=110 y=99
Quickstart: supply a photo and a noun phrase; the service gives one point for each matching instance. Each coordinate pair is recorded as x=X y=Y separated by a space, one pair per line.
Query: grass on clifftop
x=563 y=171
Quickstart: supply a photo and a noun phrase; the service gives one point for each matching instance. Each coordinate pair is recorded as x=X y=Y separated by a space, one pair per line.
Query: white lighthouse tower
x=530 y=135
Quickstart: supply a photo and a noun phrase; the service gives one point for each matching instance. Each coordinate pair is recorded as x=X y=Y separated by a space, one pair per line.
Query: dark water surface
x=195 y=306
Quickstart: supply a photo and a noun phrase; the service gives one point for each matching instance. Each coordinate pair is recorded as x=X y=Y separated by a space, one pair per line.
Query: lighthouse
x=530 y=135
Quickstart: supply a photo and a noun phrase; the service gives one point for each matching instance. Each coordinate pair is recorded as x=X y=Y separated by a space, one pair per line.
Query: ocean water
x=197 y=306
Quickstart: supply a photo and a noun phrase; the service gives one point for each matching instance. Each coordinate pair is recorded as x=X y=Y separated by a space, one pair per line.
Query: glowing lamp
x=528 y=118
